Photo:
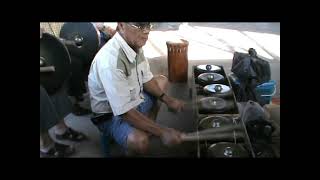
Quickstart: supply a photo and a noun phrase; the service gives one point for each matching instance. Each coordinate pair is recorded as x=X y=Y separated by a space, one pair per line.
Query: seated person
x=79 y=68
x=123 y=90
x=76 y=85
x=53 y=109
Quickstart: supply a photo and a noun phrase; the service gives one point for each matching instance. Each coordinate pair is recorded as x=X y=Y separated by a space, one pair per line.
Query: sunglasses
x=141 y=26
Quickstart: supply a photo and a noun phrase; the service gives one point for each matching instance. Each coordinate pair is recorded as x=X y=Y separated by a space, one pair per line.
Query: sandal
x=58 y=151
x=71 y=135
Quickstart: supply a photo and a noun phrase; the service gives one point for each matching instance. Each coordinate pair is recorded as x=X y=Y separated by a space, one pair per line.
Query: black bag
x=251 y=71
x=258 y=126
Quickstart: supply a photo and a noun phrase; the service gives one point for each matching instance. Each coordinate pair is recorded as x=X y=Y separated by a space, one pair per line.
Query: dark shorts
x=53 y=108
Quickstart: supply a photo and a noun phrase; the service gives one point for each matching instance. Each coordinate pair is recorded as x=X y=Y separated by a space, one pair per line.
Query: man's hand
x=170 y=137
x=174 y=104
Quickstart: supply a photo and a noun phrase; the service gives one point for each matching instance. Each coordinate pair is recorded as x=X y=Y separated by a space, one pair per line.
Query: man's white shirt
x=116 y=77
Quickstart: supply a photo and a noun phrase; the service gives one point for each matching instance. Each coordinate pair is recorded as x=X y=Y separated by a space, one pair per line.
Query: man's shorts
x=119 y=129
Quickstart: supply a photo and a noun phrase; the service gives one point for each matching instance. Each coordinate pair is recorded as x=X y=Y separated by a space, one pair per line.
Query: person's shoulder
x=107 y=55
x=112 y=48
x=112 y=25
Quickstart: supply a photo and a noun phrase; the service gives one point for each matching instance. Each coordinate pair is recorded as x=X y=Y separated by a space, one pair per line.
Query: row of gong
x=217 y=105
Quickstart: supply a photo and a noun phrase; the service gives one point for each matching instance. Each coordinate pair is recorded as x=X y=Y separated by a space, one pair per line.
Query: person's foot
x=79 y=111
x=71 y=135
x=58 y=151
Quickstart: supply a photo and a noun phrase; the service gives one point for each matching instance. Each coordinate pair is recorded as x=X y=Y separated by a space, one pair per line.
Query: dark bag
x=259 y=129
x=258 y=126
x=251 y=71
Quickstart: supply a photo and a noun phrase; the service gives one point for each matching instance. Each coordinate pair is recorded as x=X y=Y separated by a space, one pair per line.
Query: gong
x=218 y=90
x=215 y=122
x=210 y=78
x=214 y=105
x=86 y=38
x=227 y=150
x=55 y=63
x=206 y=68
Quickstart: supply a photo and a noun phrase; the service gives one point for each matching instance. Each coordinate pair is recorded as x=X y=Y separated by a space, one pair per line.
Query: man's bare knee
x=138 y=141
x=162 y=82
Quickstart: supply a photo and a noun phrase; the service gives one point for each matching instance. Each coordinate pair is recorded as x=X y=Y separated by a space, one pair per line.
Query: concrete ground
x=212 y=43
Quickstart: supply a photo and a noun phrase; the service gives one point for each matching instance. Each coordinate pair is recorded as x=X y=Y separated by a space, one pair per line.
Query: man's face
x=135 y=34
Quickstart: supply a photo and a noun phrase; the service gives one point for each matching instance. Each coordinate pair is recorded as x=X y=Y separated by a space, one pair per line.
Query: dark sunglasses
x=141 y=26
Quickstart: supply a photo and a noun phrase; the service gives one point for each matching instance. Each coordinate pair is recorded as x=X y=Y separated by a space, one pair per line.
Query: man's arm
x=140 y=121
x=153 y=88
x=168 y=136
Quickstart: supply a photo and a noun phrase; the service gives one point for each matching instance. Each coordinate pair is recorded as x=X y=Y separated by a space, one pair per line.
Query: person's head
x=134 y=33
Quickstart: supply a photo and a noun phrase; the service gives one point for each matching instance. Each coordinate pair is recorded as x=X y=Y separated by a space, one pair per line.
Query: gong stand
x=215 y=99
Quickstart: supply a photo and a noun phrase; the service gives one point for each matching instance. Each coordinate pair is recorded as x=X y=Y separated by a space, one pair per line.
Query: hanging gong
x=55 y=63
x=86 y=37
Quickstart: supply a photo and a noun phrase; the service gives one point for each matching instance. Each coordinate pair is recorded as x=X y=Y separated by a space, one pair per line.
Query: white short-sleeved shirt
x=116 y=77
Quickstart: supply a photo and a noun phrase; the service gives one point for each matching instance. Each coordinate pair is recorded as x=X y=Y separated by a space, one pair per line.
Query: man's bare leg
x=138 y=143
